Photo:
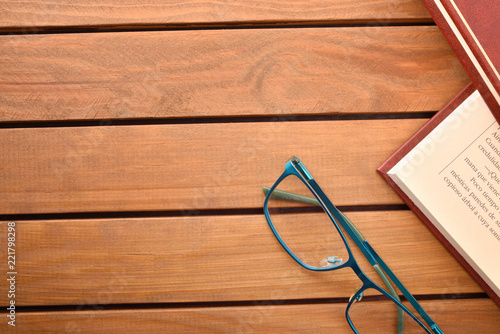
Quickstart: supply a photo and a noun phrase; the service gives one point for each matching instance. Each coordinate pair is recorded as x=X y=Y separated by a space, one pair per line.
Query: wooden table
x=136 y=136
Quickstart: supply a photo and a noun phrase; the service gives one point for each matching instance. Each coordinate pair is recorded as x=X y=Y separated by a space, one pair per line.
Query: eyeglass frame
x=295 y=166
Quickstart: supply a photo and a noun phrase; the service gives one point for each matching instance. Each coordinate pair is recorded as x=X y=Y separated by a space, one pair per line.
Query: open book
x=449 y=174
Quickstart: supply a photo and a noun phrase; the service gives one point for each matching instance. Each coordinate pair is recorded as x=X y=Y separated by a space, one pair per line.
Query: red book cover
x=387 y=172
x=472 y=29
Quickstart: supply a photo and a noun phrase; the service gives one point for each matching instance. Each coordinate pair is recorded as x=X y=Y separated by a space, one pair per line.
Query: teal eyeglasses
x=310 y=228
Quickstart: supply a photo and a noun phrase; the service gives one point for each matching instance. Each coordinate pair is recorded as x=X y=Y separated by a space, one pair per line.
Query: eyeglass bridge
x=359 y=297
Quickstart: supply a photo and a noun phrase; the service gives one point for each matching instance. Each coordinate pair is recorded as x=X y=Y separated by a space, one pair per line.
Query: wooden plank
x=39 y=15
x=226 y=73
x=209 y=258
x=186 y=167
x=453 y=316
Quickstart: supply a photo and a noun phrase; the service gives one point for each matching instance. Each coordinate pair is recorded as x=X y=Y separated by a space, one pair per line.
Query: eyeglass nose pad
x=359 y=297
x=331 y=260
x=334 y=260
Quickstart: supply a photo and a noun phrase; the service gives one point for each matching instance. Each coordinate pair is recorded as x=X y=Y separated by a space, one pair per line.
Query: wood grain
x=210 y=258
x=39 y=15
x=476 y=315
x=223 y=271
x=185 y=167
x=226 y=73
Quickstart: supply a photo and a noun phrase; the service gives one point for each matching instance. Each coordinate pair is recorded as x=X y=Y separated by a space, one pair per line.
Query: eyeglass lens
x=306 y=228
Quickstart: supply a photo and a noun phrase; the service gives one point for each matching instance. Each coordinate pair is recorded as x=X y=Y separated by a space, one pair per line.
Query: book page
x=453 y=177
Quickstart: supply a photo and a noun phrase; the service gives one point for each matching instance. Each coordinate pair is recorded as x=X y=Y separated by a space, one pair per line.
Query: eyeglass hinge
x=297 y=163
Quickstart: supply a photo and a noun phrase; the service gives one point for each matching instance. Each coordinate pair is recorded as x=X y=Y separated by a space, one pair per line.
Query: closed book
x=472 y=29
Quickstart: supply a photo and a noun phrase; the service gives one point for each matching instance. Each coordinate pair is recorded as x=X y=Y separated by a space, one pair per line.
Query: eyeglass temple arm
x=405 y=292
x=381 y=270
